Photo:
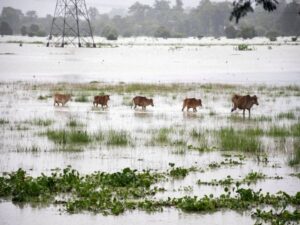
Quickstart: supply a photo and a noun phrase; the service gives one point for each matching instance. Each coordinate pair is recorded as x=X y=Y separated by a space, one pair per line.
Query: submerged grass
x=118 y=138
x=295 y=159
x=68 y=137
x=3 y=121
x=231 y=139
x=287 y=115
x=81 y=98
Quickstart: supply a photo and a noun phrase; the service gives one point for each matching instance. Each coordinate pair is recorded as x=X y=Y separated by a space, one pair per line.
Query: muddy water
x=18 y=106
x=279 y=65
x=26 y=215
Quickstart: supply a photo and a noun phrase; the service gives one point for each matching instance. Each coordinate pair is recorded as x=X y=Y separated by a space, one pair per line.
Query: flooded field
x=82 y=164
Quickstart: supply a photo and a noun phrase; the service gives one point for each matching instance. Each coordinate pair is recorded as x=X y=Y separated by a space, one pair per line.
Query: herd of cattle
x=239 y=102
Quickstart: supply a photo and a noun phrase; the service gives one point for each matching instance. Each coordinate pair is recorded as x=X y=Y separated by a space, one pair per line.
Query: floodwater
x=154 y=60
x=141 y=63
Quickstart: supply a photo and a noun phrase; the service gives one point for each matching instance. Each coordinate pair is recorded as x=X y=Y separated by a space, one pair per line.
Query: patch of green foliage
x=253 y=177
x=118 y=138
x=295 y=160
x=244 y=47
x=114 y=193
x=41 y=122
x=42 y=97
x=161 y=137
x=3 y=121
x=287 y=115
x=68 y=137
x=282 y=217
x=225 y=182
x=81 y=98
x=74 y=123
x=106 y=193
x=246 y=141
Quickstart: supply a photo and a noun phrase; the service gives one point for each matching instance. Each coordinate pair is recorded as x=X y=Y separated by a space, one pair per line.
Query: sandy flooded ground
x=154 y=139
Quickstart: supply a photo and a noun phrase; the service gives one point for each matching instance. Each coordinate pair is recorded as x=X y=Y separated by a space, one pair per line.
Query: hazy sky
x=44 y=7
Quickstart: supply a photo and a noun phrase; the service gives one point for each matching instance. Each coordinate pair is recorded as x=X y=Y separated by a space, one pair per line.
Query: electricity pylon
x=71 y=25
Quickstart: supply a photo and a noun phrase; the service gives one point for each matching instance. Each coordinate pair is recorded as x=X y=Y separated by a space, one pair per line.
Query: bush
x=5 y=29
x=272 y=35
x=110 y=33
x=162 y=32
x=247 y=32
x=230 y=32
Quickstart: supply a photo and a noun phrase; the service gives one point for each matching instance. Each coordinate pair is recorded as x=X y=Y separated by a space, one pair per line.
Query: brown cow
x=60 y=98
x=142 y=101
x=243 y=102
x=191 y=103
x=101 y=100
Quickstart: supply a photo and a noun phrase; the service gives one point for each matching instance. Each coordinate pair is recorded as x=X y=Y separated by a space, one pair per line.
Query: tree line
x=165 y=20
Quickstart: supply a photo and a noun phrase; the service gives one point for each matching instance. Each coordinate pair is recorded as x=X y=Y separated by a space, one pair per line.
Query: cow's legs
x=244 y=113
x=183 y=108
x=249 y=112
x=194 y=109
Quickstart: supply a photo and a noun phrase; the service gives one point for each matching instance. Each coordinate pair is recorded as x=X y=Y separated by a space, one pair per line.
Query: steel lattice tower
x=71 y=25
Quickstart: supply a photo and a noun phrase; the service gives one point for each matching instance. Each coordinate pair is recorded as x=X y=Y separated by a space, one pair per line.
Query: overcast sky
x=44 y=7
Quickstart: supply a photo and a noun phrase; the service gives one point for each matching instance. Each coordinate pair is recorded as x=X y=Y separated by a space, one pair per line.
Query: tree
x=162 y=32
x=230 y=32
x=179 y=6
x=12 y=17
x=247 y=32
x=289 y=21
x=32 y=14
x=34 y=28
x=242 y=7
x=5 y=29
x=110 y=33
x=24 y=30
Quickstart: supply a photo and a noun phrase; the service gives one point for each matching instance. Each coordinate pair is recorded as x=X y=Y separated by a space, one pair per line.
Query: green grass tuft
x=231 y=139
x=118 y=138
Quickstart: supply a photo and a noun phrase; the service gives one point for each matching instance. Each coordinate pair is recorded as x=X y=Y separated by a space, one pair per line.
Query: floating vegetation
x=250 y=178
x=115 y=193
x=253 y=177
x=225 y=182
x=180 y=172
x=282 y=217
x=106 y=193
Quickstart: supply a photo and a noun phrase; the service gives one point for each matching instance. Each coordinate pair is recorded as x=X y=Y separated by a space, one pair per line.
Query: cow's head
x=108 y=97
x=254 y=100
x=151 y=101
x=200 y=102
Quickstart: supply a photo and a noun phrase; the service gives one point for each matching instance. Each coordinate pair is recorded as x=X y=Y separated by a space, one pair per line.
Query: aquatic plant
x=295 y=159
x=231 y=139
x=81 y=98
x=68 y=137
x=118 y=138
